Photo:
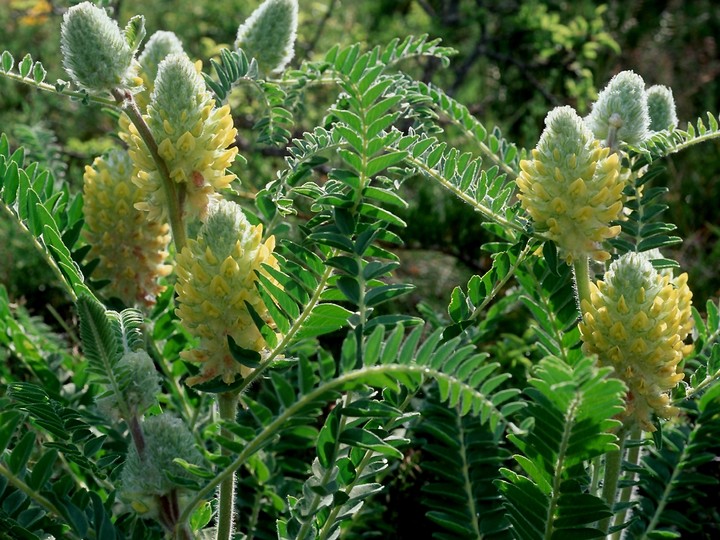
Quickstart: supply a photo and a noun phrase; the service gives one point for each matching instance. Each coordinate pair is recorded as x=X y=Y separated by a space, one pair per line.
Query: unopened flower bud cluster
x=637 y=319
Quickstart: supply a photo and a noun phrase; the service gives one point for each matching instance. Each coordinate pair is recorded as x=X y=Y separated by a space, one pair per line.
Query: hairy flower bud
x=268 y=35
x=636 y=322
x=216 y=278
x=620 y=113
x=193 y=138
x=131 y=250
x=144 y=477
x=160 y=45
x=96 y=54
x=143 y=384
x=571 y=187
x=661 y=107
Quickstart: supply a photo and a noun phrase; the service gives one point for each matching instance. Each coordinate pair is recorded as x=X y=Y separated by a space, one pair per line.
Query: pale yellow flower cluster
x=571 y=187
x=216 y=278
x=636 y=322
x=194 y=139
x=131 y=249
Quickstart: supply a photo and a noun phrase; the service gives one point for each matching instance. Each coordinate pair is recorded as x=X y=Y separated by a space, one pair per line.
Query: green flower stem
x=227 y=405
x=612 y=141
x=582 y=279
x=613 y=469
x=633 y=458
x=174 y=193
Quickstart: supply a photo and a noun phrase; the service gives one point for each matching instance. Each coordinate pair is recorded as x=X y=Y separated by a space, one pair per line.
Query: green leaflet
x=572 y=411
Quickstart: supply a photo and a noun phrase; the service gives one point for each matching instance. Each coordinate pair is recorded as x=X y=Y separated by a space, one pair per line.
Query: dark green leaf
x=325 y=318
x=366 y=439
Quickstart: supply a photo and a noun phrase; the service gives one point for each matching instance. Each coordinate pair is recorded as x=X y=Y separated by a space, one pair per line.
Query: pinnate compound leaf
x=573 y=410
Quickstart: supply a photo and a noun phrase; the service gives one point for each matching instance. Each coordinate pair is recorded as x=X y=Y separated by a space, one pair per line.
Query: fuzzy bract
x=268 y=35
x=131 y=250
x=160 y=45
x=142 y=384
x=216 y=280
x=96 y=54
x=661 y=106
x=144 y=478
x=636 y=322
x=620 y=113
x=571 y=187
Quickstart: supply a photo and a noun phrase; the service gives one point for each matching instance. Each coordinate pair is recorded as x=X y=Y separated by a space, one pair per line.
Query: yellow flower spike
x=131 y=250
x=644 y=339
x=571 y=187
x=195 y=139
x=217 y=274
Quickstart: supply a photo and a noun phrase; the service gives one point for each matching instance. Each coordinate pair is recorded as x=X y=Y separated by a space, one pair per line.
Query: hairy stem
x=82 y=96
x=227 y=405
x=296 y=326
x=582 y=280
x=633 y=459
x=137 y=434
x=613 y=469
x=173 y=192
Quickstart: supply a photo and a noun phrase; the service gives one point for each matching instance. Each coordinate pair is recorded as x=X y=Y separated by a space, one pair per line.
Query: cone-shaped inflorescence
x=636 y=322
x=145 y=478
x=620 y=113
x=193 y=138
x=96 y=54
x=661 y=106
x=131 y=250
x=571 y=187
x=216 y=280
x=268 y=35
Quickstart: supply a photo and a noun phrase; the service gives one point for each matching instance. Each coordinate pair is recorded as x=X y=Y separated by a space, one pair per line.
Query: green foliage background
x=515 y=61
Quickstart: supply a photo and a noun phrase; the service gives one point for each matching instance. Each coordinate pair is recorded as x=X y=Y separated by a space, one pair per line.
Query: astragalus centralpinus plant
x=246 y=369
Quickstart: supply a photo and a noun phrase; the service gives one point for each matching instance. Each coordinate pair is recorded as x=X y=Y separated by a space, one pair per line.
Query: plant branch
x=465 y=197
x=613 y=469
x=82 y=96
x=227 y=405
x=43 y=251
x=317 y=498
x=296 y=326
x=174 y=193
x=281 y=422
x=559 y=466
